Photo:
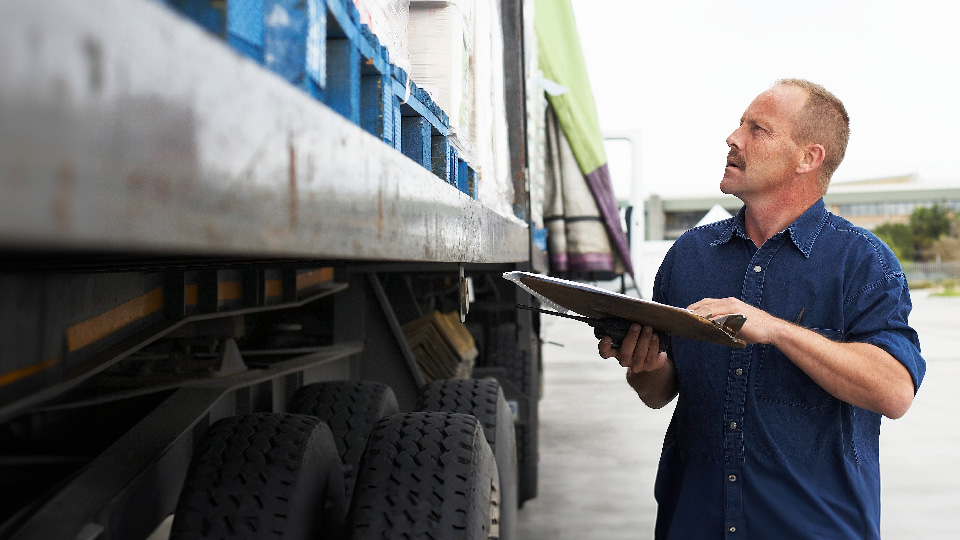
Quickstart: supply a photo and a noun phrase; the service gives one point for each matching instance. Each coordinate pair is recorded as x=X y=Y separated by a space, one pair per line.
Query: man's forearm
x=858 y=373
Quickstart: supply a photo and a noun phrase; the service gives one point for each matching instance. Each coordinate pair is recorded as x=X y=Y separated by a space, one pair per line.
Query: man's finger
x=628 y=344
x=605 y=349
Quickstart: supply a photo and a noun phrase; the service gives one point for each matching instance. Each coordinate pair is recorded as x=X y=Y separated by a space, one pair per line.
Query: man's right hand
x=639 y=351
x=650 y=372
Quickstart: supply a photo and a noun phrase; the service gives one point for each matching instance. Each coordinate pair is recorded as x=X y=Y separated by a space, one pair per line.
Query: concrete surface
x=600 y=445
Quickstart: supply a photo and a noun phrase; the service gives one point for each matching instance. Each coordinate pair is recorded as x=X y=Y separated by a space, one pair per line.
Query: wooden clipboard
x=597 y=303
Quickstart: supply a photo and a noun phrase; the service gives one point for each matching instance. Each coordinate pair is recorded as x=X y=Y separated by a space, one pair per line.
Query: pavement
x=599 y=445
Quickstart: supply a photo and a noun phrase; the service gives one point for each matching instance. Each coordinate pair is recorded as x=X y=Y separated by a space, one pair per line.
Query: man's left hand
x=759 y=327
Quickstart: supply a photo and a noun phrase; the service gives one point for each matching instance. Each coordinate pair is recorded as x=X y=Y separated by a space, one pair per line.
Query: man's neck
x=765 y=217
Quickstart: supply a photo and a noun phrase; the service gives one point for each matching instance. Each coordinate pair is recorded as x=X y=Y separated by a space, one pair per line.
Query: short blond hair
x=823 y=120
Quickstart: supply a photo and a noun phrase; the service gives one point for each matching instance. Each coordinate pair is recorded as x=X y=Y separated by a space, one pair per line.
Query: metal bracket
x=229 y=361
x=465 y=294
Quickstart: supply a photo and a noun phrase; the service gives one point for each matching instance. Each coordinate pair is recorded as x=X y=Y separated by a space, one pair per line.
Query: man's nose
x=732 y=139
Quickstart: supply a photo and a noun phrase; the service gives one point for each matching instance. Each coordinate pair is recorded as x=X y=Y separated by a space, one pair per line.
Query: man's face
x=763 y=154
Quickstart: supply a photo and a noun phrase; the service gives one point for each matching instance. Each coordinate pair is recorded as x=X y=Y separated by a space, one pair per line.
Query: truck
x=250 y=285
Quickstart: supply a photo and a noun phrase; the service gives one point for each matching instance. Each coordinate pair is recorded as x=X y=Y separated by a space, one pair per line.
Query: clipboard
x=597 y=303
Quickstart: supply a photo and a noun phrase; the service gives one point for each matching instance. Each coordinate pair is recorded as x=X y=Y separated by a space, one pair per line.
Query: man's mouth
x=734 y=161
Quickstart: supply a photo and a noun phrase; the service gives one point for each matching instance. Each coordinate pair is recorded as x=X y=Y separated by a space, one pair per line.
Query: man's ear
x=811 y=159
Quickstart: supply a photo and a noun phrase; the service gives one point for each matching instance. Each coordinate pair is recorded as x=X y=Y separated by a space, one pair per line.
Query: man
x=779 y=439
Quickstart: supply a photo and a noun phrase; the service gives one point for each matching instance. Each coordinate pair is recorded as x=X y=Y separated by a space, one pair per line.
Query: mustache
x=734 y=157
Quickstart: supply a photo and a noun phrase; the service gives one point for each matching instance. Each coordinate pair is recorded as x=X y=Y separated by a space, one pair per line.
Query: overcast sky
x=681 y=74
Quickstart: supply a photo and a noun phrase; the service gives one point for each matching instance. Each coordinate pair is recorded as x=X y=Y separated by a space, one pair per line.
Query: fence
x=923 y=273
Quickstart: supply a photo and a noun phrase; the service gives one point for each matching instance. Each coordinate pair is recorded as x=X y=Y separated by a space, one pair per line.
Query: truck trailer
x=250 y=277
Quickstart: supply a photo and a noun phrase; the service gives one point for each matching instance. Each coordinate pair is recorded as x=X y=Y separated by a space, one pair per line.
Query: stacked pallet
x=321 y=47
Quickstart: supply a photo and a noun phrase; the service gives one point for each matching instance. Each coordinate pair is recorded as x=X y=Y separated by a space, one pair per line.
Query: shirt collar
x=803 y=232
x=734 y=226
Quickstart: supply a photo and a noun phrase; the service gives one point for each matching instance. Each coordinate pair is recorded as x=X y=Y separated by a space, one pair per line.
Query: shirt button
x=733 y=425
x=739 y=371
x=732 y=529
x=757 y=269
x=732 y=478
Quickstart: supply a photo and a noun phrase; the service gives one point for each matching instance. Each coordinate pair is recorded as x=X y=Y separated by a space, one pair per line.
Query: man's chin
x=727 y=186
x=731 y=187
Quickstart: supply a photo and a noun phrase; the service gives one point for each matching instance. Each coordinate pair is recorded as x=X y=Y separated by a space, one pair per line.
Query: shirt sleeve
x=878 y=315
x=661 y=284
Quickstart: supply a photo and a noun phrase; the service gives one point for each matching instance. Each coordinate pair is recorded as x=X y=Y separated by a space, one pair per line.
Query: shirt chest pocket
x=780 y=381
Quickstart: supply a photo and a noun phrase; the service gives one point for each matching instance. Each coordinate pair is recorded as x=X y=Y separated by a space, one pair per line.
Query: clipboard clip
x=730 y=324
x=615 y=327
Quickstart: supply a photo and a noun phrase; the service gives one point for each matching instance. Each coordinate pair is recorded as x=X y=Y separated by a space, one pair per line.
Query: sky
x=678 y=76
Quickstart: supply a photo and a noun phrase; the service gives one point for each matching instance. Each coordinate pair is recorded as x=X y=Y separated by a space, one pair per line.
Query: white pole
x=635 y=199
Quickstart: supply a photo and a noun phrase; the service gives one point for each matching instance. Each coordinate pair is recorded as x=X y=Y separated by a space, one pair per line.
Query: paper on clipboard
x=594 y=302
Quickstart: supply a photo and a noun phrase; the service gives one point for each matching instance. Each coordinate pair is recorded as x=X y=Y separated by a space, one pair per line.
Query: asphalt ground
x=599 y=445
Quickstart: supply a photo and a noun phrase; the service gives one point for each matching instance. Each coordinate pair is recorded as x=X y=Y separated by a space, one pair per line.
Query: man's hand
x=760 y=326
x=639 y=351
x=649 y=371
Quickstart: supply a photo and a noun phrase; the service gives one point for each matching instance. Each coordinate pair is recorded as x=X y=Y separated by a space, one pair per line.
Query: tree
x=947 y=247
x=899 y=236
x=920 y=239
x=928 y=225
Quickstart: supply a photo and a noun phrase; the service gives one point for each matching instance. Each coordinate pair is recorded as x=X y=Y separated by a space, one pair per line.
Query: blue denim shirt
x=756 y=449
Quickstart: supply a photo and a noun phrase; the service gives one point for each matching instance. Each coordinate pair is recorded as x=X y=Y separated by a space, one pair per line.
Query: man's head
x=796 y=129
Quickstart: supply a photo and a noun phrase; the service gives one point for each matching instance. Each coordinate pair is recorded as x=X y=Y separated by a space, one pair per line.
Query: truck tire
x=426 y=475
x=522 y=367
x=263 y=475
x=523 y=371
x=350 y=409
x=528 y=462
x=484 y=400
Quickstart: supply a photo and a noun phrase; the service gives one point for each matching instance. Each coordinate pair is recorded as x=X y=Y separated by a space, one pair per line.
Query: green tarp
x=561 y=60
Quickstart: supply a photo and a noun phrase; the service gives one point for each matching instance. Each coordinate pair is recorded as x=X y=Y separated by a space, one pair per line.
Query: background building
x=866 y=203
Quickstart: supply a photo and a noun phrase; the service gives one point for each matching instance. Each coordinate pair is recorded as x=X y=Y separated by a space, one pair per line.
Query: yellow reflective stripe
x=229 y=290
x=273 y=287
x=83 y=334
x=314 y=277
x=21 y=373
x=191 y=295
